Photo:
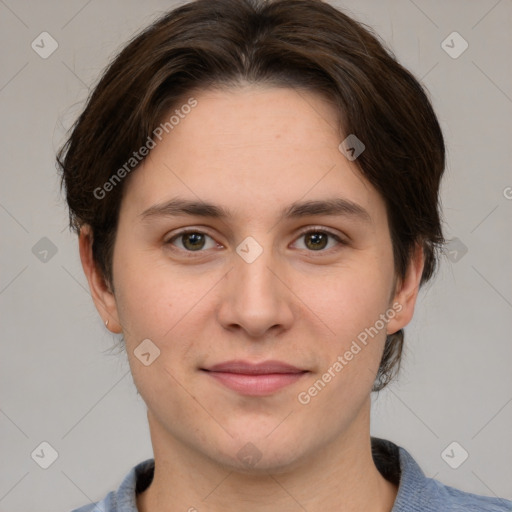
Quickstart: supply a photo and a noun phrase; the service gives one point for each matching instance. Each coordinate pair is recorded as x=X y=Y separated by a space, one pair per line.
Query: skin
x=255 y=150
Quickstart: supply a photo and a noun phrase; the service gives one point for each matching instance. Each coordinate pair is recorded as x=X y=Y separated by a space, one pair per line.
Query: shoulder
x=458 y=501
x=437 y=497
x=418 y=493
x=106 y=505
x=124 y=499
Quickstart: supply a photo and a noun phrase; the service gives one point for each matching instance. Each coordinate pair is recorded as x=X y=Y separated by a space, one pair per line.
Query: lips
x=255 y=379
x=265 y=367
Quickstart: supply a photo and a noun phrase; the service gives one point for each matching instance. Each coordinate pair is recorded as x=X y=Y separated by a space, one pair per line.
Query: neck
x=340 y=477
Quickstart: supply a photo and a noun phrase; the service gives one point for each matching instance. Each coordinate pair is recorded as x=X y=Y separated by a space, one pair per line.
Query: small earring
x=106 y=323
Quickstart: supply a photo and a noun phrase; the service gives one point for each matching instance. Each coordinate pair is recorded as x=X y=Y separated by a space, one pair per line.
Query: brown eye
x=316 y=240
x=192 y=241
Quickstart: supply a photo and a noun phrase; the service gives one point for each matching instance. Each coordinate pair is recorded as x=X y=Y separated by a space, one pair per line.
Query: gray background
x=59 y=381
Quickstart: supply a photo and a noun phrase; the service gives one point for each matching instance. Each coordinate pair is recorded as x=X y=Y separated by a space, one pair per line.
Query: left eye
x=317 y=240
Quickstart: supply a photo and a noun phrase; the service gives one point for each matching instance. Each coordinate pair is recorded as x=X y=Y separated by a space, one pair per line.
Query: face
x=267 y=311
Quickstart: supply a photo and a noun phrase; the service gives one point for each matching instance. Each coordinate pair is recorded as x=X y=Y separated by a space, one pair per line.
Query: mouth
x=255 y=379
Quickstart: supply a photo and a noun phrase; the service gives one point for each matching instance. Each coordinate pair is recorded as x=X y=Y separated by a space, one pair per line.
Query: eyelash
x=314 y=230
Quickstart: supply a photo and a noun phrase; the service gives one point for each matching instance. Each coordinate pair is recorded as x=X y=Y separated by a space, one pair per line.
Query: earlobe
x=101 y=293
x=406 y=291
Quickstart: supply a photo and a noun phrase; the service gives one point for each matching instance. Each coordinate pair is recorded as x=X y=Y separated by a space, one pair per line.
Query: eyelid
x=185 y=231
x=322 y=229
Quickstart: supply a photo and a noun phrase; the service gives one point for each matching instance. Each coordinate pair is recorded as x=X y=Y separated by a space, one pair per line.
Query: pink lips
x=255 y=379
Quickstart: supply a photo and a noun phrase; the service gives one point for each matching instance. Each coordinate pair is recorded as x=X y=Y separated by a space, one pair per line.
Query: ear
x=101 y=293
x=406 y=291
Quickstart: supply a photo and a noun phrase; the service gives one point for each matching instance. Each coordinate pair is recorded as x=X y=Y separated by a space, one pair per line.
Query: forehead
x=251 y=148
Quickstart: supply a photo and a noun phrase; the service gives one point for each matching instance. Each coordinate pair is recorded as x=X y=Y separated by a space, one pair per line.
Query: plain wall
x=59 y=382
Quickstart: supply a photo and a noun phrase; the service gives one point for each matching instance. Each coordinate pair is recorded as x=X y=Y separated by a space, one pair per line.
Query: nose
x=256 y=297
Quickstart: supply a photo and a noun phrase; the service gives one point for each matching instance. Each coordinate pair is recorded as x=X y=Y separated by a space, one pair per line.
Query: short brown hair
x=306 y=44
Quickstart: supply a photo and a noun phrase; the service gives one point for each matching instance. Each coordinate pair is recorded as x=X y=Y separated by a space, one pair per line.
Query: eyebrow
x=331 y=207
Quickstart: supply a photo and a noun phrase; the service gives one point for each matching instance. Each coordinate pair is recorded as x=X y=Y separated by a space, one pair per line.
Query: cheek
x=347 y=300
x=171 y=310
x=150 y=308
x=350 y=304
x=149 y=299
x=349 y=359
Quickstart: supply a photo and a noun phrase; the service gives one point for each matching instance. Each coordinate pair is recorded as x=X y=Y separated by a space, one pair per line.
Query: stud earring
x=106 y=323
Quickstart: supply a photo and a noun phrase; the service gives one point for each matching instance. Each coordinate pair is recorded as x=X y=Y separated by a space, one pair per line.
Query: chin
x=264 y=455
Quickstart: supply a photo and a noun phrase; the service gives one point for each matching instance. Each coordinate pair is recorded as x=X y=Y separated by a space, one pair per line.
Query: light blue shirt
x=416 y=492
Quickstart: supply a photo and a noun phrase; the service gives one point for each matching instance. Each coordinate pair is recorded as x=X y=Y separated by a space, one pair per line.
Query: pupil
x=318 y=240
x=194 y=240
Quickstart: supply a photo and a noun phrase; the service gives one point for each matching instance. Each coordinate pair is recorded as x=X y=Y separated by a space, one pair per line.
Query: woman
x=255 y=186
